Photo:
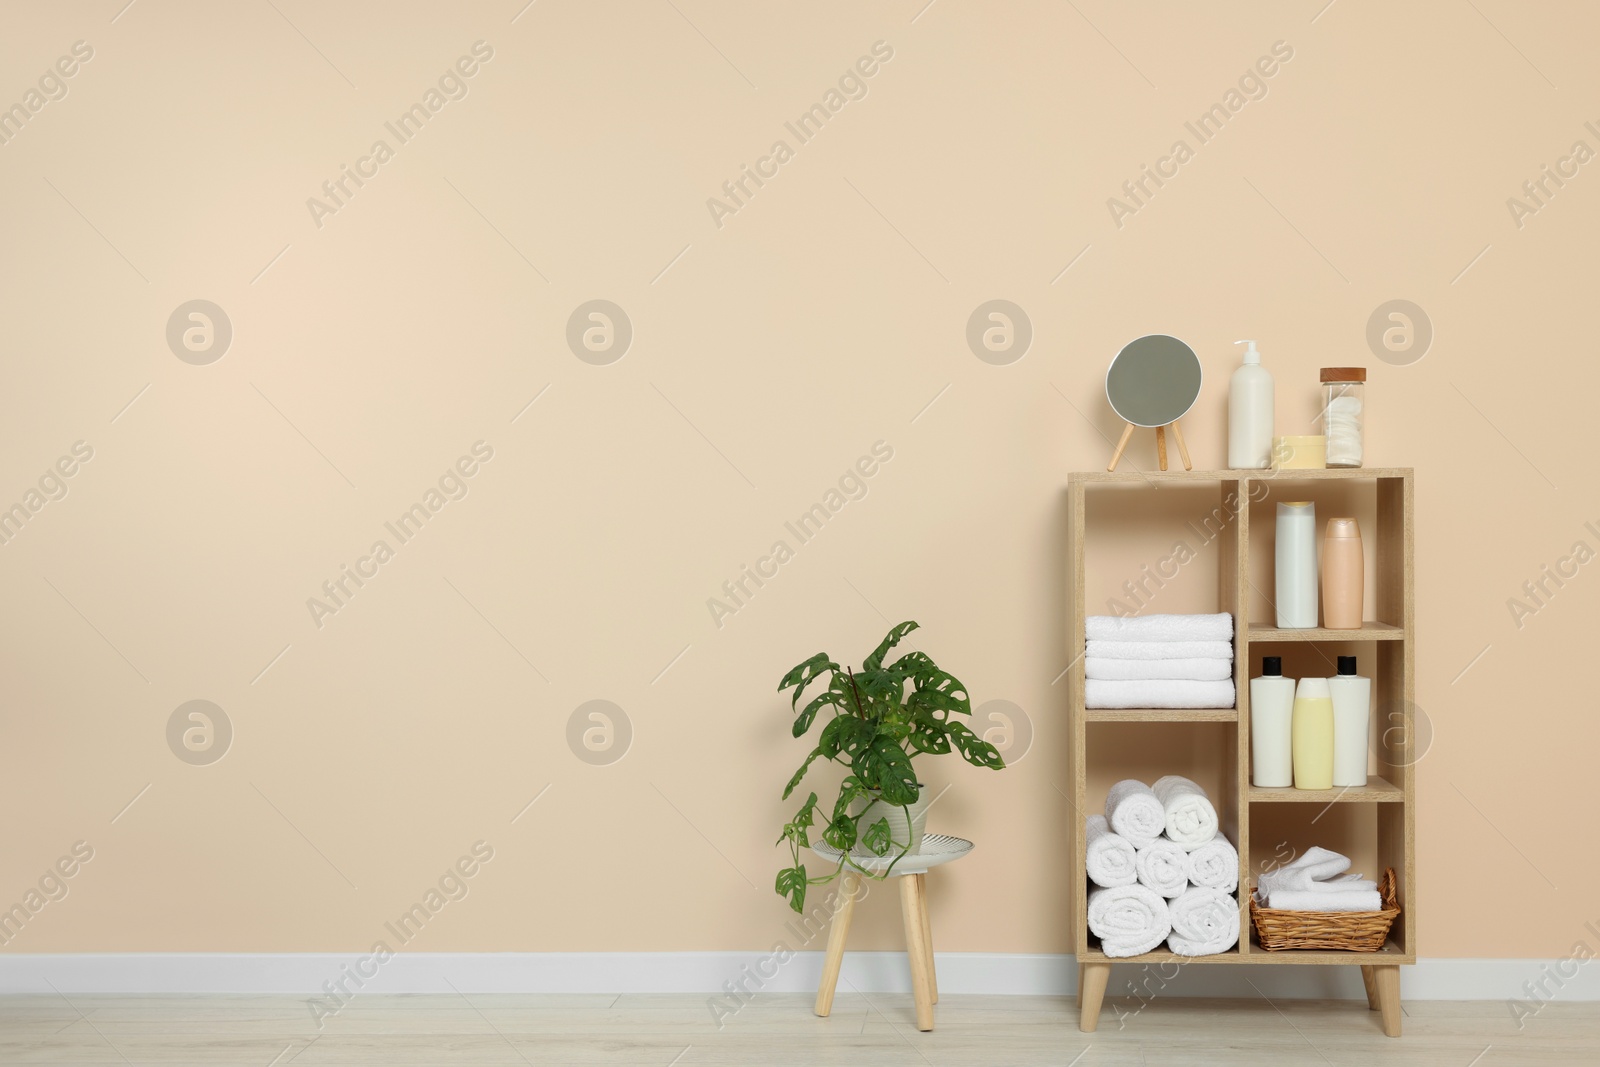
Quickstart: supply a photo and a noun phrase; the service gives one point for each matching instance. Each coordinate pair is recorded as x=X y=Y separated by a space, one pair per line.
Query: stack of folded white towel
x=1316 y=882
x=1159 y=661
x=1161 y=871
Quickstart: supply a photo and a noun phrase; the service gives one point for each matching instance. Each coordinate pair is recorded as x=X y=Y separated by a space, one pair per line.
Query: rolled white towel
x=1128 y=920
x=1108 y=857
x=1191 y=821
x=1160 y=649
x=1313 y=869
x=1322 y=900
x=1204 y=922
x=1157 y=693
x=1163 y=866
x=1135 y=812
x=1135 y=670
x=1215 y=865
x=1218 y=627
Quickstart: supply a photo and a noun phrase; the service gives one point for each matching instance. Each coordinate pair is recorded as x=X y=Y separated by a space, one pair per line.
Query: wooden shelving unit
x=1390 y=792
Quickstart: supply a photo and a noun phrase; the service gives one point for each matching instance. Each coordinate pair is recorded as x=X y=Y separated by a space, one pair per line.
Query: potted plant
x=874 y=729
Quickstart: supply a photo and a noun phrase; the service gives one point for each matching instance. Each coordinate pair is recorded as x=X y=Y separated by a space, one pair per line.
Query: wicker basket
x=1354 y=931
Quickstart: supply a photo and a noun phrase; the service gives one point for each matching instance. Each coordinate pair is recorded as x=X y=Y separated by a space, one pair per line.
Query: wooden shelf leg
x=1183 y=449
x=916 y=949
x=927 y=935
x=1387 y=978
x=1371 y=985
x=1122 y=443
x=1090 y=992
x=849 y=886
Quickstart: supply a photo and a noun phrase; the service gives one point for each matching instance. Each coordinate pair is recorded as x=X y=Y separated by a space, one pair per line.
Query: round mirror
x=1153 y=381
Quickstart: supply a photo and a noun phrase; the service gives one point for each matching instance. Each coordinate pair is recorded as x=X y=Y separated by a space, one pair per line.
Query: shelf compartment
x=1391 y=953
x=1377 y=790
x=1370 y=631
x=1161 y=715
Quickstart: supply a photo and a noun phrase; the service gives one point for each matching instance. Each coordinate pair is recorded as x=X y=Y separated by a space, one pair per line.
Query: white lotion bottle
x=1271 y=726
x=1295 y=573
x=1250 y=413
x=1352 y=716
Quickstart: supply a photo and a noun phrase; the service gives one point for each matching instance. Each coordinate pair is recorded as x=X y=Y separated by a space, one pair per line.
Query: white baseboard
x=304 y=974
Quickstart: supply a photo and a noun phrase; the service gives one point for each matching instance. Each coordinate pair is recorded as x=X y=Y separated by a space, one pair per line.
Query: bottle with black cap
x=1271 y=716
x=1352 y=716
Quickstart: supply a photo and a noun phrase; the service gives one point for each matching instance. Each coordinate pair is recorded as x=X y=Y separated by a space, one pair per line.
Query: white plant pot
x=899 y=833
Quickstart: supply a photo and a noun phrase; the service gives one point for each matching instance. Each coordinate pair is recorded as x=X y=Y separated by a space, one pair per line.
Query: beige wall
x=824 y=315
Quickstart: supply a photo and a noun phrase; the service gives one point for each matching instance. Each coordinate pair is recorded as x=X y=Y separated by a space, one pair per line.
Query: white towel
x=1160 y=650
x=1132 y=670
x=1159 y=693
x=1313 y=870
x=1204 y=922
x=1135 y=812
x=1215 y=865
x=1323 y=900
x=1108 y=857
x=1163 y=866
x=1128 y=920
x=1218 y=627
x=1191 y=821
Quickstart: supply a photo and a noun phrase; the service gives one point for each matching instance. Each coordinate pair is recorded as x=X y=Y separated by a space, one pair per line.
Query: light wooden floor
x=871 y=1029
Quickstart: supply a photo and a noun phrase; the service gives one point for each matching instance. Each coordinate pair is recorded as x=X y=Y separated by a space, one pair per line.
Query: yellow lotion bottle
x=1312 y=732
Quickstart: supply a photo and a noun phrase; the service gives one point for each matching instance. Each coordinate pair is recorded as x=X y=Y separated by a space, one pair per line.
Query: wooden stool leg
x=927 y=936
x=1090 y=992
x=916 y=950
x=849 y=886
x=1371 y=986
x=1387 y=978
x=1183 y=449
x=1127 y=432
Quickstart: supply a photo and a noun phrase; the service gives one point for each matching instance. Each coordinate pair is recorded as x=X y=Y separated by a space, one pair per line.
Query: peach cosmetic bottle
x=1341 y=575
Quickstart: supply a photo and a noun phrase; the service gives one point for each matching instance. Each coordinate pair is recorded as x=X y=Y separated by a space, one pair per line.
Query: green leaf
x=791 y=882
x=973 y=748
x=803 y=721
x=801 y=773
x=939 y=691
x=874 y=661
x=896 y=781
x=841 y=832
x=877 y=838
x=804 y=674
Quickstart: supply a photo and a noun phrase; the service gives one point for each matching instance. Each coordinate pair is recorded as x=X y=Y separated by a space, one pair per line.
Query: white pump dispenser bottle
x=1250 y=413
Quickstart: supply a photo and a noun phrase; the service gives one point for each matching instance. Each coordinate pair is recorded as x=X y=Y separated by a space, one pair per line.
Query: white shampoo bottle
x=1352 y=715
x=1295 y=573
x=1271 y=719
x=1250 y=413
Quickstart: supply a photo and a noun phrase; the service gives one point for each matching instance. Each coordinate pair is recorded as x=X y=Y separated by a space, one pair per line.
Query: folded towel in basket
x=1215 y=865
x=1218 y=627
x=1108 y=857
x=1323 y=900
x=1135 y=812
x=1136 y=670
x=1191 y=821
x=1128 y=920
x=1163 y=866
x=1222 y=650
x=1314 y=869
x=1157 y=693
x=1204 y=922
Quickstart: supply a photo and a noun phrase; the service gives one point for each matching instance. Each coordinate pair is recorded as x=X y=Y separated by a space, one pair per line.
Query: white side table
x=912 y=871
